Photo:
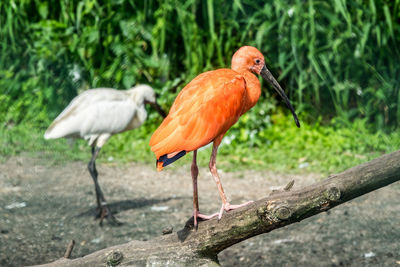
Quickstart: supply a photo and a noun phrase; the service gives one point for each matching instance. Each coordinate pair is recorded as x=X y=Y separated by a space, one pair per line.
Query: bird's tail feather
x=167 y=159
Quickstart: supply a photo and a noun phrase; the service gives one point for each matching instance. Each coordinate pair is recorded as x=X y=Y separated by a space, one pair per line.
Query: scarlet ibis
x=96 y=115
x=204 y=111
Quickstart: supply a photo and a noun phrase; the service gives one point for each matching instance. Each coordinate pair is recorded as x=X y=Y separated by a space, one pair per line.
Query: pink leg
x=213 y=169
x=195 y=173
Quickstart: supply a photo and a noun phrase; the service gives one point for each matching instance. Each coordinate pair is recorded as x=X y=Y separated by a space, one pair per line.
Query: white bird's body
x=97 y=114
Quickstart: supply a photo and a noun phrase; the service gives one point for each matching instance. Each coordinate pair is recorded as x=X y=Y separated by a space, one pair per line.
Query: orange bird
x=204 y=111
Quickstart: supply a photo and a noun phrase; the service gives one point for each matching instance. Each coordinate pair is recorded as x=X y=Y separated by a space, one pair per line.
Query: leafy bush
x=335 y=58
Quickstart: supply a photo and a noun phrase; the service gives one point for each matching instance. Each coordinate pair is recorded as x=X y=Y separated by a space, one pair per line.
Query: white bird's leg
x=196 y=212
x=104 y=211
x=213 y=169
x=94 y=174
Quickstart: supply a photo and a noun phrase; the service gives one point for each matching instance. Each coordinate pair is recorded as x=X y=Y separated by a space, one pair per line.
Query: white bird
x=96 y=115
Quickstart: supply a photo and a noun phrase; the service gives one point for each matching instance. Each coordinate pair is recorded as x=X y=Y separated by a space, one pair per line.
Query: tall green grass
x=335 y=58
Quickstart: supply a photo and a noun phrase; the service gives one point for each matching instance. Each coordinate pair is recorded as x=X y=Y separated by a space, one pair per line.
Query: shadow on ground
x=126 y=205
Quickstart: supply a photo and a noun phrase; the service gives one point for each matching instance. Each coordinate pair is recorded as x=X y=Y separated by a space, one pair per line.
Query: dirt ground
x=44 y=205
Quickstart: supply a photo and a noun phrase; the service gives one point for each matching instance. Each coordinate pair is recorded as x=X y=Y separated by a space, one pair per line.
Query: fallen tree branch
x=201 y=247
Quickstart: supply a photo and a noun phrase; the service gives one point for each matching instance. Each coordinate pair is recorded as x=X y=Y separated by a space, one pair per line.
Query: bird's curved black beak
x=157 y=107
x=266 y=74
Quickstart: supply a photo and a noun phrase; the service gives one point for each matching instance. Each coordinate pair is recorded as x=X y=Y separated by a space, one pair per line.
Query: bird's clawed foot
x=104 y=212
x=197 y=214
x=227 y=207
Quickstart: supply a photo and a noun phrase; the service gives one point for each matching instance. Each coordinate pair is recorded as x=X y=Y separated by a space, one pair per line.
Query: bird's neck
x=253 y=90
x=133 y=95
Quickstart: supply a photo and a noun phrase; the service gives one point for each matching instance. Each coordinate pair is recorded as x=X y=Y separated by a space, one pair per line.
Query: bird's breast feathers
x=205 y=109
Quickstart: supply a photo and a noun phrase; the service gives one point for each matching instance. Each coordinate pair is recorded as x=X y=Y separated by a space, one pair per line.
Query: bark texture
x=188 y=247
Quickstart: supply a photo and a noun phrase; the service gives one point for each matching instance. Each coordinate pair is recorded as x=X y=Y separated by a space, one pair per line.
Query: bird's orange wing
x=205 y=109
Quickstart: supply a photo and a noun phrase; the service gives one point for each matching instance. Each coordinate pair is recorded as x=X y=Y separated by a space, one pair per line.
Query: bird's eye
x=258 y=61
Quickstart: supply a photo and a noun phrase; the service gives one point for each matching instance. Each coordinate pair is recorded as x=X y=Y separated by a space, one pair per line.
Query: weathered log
x=201 y=247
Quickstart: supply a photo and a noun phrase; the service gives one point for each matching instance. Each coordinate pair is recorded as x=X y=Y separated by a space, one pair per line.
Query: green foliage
x=336 y=58
x=28 y=140
x=313 y=147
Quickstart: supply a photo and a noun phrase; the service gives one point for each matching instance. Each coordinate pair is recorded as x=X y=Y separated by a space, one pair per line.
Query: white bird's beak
x=157 y=107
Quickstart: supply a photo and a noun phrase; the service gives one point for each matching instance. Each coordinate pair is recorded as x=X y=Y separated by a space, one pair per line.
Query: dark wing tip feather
x=165 y=161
